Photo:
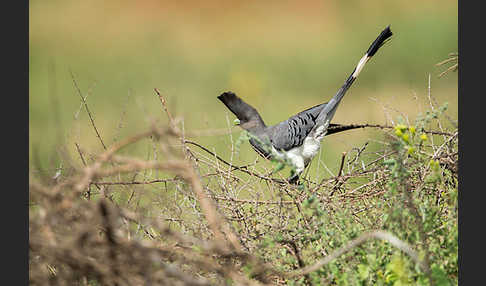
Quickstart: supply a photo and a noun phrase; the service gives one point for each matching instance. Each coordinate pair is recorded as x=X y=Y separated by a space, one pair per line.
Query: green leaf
x=278 y=167
x=440 y=276
x=363 y=271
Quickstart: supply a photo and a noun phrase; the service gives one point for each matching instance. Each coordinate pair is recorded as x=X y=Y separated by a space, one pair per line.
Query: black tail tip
x=385 y=34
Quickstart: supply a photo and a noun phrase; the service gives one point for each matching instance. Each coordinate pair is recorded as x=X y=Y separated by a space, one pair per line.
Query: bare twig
x=343 y=157
x=87 y=110
x=162 y=100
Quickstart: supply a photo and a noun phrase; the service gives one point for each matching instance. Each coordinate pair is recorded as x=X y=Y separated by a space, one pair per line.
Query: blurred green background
x=279 y=56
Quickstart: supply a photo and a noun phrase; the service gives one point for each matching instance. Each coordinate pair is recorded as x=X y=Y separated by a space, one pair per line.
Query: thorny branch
x=208 y=223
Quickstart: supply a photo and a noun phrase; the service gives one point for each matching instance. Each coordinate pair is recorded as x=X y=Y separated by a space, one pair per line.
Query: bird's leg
x=293 y=179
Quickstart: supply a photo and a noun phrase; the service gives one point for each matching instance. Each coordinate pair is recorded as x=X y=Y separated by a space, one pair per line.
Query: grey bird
x=296 y=140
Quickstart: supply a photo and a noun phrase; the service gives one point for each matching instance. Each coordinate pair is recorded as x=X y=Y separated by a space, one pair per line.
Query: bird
x=297 y=139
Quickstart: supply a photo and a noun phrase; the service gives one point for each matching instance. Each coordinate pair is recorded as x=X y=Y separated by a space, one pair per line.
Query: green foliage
x=243 y=138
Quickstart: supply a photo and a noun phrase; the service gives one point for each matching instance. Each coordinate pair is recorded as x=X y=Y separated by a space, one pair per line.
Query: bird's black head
x=246 y=114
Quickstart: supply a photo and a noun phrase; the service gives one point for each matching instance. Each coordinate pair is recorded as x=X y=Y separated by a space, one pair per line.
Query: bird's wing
x=292 y=132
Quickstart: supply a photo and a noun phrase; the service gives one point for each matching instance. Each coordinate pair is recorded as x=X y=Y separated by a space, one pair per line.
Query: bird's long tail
x=328 y=111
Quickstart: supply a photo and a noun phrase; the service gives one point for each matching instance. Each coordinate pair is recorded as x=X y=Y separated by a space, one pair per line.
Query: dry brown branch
x=255 y=202
x=343 y=157
x=243 y=169
x=377 y=234
x=453 y=57
x=295 y=250
x=138 y=182
x=437 y=152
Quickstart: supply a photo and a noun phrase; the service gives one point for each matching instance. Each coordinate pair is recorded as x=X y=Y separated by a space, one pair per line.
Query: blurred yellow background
x=279 y=56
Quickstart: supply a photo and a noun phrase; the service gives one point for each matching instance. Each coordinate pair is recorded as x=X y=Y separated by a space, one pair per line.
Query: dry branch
x=378 y=234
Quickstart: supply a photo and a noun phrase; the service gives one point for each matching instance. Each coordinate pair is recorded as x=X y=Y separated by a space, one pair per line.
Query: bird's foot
x=293 y=179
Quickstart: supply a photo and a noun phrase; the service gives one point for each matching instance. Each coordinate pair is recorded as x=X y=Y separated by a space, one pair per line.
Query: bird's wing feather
x=292 y=132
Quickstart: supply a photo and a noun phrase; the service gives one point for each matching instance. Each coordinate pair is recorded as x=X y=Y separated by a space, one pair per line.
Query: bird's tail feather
x=328 y=111
x=385 y=34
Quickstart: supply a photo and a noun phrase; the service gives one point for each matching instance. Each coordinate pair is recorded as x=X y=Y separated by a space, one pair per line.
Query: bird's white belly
x=307 y=150
x=302 y=155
